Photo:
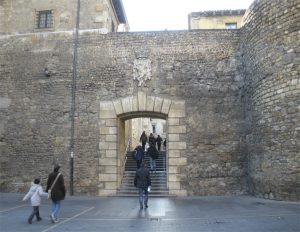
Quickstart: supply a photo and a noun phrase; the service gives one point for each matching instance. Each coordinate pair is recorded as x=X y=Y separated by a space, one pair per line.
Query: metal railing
x=128 y=147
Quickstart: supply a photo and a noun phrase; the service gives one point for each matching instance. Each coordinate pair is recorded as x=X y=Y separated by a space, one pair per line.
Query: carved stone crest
x=142 y=70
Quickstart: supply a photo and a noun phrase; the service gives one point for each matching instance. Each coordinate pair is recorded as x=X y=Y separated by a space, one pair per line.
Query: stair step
x=158 y=179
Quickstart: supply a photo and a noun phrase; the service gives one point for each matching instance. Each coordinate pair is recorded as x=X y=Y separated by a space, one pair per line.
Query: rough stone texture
x=195 y=67
x=270 y=44
x=198 y=67
x=225 y=147
x=35 y=126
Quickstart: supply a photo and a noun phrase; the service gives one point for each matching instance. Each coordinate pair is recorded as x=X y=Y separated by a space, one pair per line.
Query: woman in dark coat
x=58 y=192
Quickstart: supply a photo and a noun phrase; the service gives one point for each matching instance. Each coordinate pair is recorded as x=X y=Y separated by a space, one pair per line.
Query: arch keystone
x=142 y=100
x=150 y=103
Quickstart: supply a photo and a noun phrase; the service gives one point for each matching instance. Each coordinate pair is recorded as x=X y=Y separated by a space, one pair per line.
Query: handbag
x=49 y=190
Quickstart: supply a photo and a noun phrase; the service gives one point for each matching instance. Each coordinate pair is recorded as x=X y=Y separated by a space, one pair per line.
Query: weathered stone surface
x=111 y=185
x=177 y=161
x=118 y=107
x=135 y=103
x=174 y=185
x=234 y=93
x=158 y=104
x=107 y=110
x=107 y=177
x=111 y=122
x=150 y=103
x=173 y=169
x=107 y=161
x=177 y=129
x=176 y=192
x=127 y=104
x=110 y=169
x=4 y=102
x=104 y=192
x=166 y=106
x=142 y=99
x=177 y=109
x=271 y=99
x=111 y=153
x=173 y=121
x=111 y=138
x=174 y=137
x=174 y=153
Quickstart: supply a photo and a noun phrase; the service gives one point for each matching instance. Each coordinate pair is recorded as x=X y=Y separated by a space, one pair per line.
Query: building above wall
x=220 y=19
x=18 y=16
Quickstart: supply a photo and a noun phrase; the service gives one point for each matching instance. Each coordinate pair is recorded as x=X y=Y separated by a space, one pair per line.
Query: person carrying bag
x=50 y=189
x=56 y=186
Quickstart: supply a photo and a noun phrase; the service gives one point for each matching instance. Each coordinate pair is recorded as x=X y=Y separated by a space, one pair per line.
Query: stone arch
x=111 y=117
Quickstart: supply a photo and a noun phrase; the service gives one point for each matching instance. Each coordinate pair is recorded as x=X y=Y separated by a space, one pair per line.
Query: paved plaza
x=89 y=214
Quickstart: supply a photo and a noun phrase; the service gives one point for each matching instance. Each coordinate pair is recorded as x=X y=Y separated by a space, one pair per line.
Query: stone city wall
x=197 y=67
x=34 y=108
x=270 y=43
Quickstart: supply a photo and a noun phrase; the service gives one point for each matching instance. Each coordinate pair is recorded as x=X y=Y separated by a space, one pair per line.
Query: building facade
x=221 y=19
x=18 y=16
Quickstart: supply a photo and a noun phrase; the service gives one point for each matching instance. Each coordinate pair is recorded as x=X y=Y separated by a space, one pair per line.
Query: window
x=231 y=25
x=44 y=19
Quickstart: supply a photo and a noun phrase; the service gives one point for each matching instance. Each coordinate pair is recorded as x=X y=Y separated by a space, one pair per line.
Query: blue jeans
x=56 y=208
x=143 y=197
x=152 y=164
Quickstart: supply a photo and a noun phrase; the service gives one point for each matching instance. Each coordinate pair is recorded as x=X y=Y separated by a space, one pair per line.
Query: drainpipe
x=73 y=89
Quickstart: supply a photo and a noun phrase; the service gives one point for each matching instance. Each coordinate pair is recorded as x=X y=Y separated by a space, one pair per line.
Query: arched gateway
x=112 y=140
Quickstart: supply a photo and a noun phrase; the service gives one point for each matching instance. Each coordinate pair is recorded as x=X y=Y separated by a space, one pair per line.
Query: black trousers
x=158 y=146
x=35 y=212
x=143 y=145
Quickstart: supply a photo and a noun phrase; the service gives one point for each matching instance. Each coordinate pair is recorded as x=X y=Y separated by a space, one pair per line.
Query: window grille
x=44 y=19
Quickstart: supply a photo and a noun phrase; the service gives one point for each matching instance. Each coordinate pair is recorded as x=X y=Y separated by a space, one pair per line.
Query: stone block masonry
x=271 y=69
x=185 y=88
x=230 y=98
x=189 y=86
x=117 y=108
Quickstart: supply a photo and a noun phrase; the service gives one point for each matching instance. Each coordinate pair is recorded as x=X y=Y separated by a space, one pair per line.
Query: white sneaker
x=52 y=218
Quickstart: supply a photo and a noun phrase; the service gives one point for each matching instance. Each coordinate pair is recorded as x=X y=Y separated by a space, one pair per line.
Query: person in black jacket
x=151 y=139
x=143 y=139
x=153 y=154
x=142 y=181
x=158 y=142
x=139 y=156
x=57 y=192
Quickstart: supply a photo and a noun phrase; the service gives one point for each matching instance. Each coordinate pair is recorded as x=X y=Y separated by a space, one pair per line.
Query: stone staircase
x=158 y=179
